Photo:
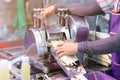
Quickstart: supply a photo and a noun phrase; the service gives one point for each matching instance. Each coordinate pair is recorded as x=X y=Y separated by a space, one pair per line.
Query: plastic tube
x=25 y=68
x=4 y=70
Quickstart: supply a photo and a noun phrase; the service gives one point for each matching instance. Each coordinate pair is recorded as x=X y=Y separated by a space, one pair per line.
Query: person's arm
x=82 y=9
x=79 y=9
x=103 y=46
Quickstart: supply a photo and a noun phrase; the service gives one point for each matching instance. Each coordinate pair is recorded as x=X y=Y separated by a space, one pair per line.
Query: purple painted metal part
x=97 y=75
x=114 y=26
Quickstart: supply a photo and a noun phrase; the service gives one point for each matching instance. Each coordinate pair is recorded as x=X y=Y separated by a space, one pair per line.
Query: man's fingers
x=60 y=43
x=61 y=54
x=59 y=50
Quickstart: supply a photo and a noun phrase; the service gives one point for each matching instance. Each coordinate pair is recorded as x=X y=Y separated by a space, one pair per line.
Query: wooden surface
x=11 y=44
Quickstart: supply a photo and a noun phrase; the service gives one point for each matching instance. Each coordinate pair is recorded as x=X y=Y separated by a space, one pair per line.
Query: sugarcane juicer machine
x=41 y=39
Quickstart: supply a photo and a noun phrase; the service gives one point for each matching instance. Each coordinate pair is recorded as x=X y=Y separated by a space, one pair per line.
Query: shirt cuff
x=81 y=47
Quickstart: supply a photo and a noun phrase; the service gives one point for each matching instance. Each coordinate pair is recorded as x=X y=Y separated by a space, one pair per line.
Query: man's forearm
x=82 y=9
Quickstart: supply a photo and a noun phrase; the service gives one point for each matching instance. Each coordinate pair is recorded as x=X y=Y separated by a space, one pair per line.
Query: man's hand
x=66 y=48
x=49 y=12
